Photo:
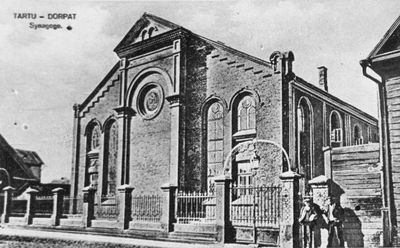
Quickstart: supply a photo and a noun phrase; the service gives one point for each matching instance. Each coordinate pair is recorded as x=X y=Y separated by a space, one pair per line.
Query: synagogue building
x=179 y=110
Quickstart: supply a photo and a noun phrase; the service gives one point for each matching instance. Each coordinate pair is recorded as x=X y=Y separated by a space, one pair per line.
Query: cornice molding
x=125 y=111
x=132 y=49
x=174 y=99
x=333 y=102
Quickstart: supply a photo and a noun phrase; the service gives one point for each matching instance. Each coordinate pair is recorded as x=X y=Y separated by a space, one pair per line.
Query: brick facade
x=165 y=85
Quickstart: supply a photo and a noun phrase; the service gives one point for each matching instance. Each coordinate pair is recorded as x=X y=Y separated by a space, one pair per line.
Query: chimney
x=323 y=78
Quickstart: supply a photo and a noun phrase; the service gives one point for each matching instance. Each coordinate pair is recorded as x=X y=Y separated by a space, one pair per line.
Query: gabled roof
x=318 y=92
x=146 y=20
x=390 y=41
x=29 y=157
x=133 y=36
x=17 y=158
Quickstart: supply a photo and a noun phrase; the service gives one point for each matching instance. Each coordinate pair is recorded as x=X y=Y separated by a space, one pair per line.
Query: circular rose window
x=150 y=100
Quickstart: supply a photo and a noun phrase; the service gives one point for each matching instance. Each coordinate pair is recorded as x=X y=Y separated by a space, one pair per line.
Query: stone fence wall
x=168 y=218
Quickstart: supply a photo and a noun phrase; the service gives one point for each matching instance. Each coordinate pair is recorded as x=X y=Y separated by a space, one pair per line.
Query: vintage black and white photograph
x=200 y=124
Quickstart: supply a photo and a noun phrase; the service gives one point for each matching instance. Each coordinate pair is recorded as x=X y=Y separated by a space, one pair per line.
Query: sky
x=44 y=72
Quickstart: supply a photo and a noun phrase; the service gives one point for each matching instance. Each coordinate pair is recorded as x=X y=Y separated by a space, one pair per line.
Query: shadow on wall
x=336 y=190
x=352 y=233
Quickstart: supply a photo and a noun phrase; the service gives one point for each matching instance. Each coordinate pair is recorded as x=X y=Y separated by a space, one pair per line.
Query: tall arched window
x=246 y=112
x=304 y=141
x=110 y=159
x=215 y=144
x=358 y=138
x=244 y=129
x=336 y=136
x=92 y=154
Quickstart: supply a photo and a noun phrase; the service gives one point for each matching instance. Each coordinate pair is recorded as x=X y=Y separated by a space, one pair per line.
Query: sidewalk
x=15 y=237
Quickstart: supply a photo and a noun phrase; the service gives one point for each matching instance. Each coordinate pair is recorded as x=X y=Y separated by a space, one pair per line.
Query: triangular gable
x=148 y=20
x=146 y=27
x=390 y=41
x=18 y=160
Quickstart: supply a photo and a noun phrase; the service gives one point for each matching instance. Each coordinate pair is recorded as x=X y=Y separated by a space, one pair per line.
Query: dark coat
x=337 y=212
x=310 y=216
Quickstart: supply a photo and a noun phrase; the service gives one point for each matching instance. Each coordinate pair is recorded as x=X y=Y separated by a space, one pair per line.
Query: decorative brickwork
x=179 y=103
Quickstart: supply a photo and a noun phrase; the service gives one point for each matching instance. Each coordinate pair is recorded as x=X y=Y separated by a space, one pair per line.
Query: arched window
x=244 y=127
x=246 y=114
x=215 y=144
x=144 y=32
x=95 y=138
x=110 y=159
x=92 y=154
x=304 y=141
x=358 y=138
x=151 y=30
x=336 y=129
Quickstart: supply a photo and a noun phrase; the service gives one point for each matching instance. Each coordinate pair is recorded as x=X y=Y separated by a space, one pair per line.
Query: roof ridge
x=234 y=50
x=177 y=26
x=333 y=97
x=385 y=38
x=162 y=20
x=14 y=155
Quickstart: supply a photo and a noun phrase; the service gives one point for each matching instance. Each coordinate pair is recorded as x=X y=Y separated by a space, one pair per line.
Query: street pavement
x=96 y=238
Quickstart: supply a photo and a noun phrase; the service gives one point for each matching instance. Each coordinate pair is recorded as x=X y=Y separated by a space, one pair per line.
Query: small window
x=151 y=30
x=336 y=135
x=244 y=178
x=144 y=32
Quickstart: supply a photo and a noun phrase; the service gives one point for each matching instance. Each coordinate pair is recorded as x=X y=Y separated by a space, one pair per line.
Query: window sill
x=93 y=153
x=244 y=135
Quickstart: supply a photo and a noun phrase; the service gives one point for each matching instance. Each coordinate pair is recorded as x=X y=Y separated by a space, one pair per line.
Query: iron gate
x=256 y=213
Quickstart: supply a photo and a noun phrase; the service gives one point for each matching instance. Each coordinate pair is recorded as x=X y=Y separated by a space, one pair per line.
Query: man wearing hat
x=309 y=214
x=334 y=216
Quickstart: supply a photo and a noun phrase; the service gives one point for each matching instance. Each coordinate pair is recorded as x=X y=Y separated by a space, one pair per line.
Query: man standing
x=309 y=214
x=334 y=216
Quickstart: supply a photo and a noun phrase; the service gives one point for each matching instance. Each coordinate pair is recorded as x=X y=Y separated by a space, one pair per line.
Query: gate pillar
x=88 y=205
x=169 y=206
x=8 y=191
x=125 y=205
x=57 y=206
x=30 y=205
x=222 y=202
x=289 y=235
x=320 y=191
